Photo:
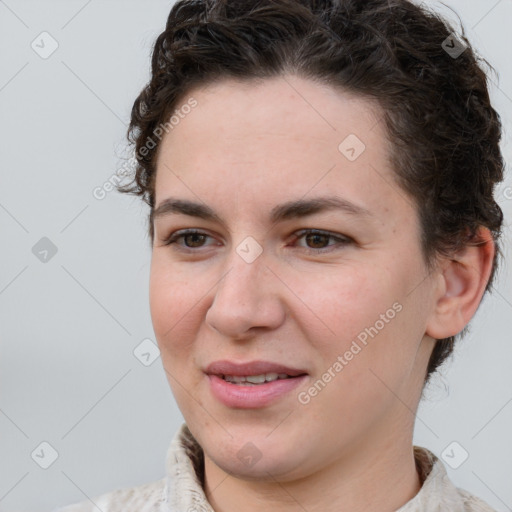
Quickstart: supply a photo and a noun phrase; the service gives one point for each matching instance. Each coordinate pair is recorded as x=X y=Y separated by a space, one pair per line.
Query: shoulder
x=438 y=492
x=143 y=498
x=472 y=503
x=456 y=498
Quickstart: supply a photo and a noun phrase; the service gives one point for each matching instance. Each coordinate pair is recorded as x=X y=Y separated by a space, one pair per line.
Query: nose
x=248 y=298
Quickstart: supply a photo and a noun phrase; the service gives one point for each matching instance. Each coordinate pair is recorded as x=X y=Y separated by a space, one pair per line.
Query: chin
x=256 y=457
x=262 y=471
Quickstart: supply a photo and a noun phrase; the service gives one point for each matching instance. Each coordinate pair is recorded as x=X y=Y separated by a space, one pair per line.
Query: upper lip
x=225 y=367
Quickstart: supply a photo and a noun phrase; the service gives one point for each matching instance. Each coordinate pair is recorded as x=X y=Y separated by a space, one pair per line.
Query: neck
x=371 y=478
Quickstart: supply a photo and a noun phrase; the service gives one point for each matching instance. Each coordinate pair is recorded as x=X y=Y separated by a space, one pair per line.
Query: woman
x=320 y=178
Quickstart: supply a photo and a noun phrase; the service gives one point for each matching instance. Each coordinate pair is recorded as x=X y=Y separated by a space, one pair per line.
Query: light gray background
x=68 y=327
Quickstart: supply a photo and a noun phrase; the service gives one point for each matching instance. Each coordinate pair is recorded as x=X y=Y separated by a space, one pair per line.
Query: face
x=305 y=253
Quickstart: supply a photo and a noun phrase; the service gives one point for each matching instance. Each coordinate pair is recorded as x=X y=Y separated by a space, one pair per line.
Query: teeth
x=236 y=378
x=257 y=379
x=249 y=380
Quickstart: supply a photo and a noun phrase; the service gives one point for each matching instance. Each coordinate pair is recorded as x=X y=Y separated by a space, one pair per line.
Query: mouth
x=255 y=380
x=252 y=372
x=253 y=384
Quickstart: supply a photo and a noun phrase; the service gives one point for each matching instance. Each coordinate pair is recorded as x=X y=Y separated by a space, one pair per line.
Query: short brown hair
x=444 y=132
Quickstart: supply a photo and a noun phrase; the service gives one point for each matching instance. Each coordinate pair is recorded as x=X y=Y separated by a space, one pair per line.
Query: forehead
x=288 y=107
x=274 y=140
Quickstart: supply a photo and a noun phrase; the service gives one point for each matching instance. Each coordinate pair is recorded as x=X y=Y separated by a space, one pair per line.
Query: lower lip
x=249 y=397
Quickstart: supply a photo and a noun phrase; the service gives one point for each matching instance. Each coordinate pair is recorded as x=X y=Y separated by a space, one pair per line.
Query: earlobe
x=463 y=278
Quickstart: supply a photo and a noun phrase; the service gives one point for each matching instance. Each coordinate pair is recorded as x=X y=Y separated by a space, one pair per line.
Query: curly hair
x=444 y=133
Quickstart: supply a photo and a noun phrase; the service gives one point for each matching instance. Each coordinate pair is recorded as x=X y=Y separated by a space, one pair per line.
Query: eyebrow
x=282 y=212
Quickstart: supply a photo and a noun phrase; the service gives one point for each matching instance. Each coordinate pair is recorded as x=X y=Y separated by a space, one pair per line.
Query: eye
x=319 y=241
x=191 y=238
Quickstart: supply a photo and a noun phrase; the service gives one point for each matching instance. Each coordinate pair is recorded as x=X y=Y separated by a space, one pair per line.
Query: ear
x=462 y=282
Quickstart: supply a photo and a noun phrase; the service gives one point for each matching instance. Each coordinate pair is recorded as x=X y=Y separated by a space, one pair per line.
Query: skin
x=245 y=148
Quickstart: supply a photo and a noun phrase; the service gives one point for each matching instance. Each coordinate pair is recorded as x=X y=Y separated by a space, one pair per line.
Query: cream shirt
x=181 y=490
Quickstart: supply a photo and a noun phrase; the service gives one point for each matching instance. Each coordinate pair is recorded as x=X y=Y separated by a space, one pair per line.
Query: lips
x=225 y=367
x=228 y=383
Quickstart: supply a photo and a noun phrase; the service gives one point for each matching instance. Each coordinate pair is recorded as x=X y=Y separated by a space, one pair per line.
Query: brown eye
x=321 y=241
x=194 y=239
x=190 y=239
x=317 y=240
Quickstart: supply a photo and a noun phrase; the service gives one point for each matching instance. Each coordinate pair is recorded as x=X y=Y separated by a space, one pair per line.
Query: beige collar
x=185 y=480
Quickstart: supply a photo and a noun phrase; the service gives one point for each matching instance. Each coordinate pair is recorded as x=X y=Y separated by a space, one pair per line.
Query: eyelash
x=342 y=240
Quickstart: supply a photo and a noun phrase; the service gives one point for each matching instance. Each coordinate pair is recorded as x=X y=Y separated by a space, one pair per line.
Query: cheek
x=176 y=314
x=357 y=364
x=342 y=301
x=361 y=316
x=175 y=303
